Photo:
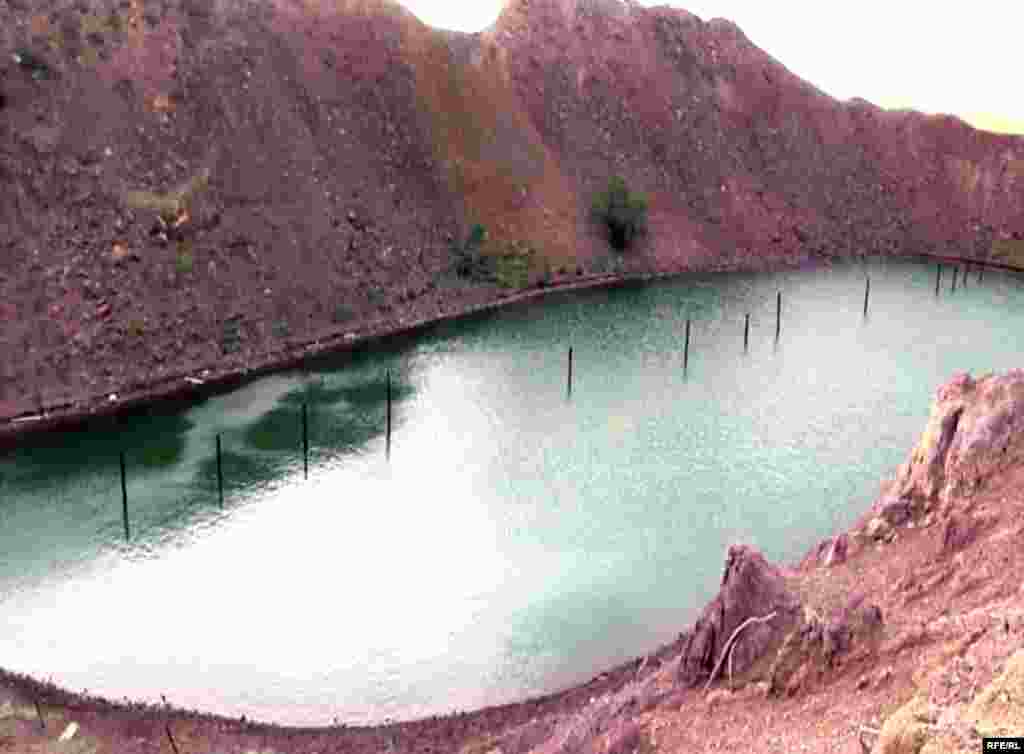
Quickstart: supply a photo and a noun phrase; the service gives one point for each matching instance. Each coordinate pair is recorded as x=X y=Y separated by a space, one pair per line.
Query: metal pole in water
x=967 y=269
x=686 y=347
x=569 y=384
x=305 y=441
x=938 y=277
x=981 y=269
x=124 y=497
x=955 y=271
x=778 y=314
x=220 y=475
x=746 y=332
x=387 y=442
x=867 y=292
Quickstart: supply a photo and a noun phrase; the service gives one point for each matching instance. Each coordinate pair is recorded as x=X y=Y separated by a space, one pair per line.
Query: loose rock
x=837 y=551
x=958 y=533
x=879 y=529
x=895 y=510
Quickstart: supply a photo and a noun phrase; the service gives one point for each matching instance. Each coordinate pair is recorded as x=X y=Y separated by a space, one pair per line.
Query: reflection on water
x=517 y=541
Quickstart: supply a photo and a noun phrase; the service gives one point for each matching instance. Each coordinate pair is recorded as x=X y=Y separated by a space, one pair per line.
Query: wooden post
x=746 y=332
x=967 y=269
x=124 y=497
x=305 y=441
x=174 y=746
x=220 y=475
x=387 y=441
x=686 y=346
x=955 y=271
x=569 y=384
x=867 y=292
x=39 y=712
x=778 y=314
x=938 y=277
x=981 y=270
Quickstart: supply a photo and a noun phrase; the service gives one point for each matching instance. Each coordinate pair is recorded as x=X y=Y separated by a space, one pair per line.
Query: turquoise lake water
x=518 y=539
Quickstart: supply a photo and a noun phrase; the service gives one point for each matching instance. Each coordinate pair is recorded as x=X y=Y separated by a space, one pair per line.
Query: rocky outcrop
x=776 y=644
x=815 y=644
x=829 y=552
x=974 y=431
x=752 y=588
x=836 y=554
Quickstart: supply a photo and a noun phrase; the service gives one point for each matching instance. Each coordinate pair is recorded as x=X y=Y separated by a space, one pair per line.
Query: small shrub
x=1008 y=251
x=183 y=264
x=174 y=202
x=94 y=24
x=622 y=212
x=89 y=57
x=281 y=329
x=35 y=65
x=469 y=261
x=231 y=337
x=545 y=278
x=512 y=270
x=341 y=314
x=477 y=235
x=56 y=42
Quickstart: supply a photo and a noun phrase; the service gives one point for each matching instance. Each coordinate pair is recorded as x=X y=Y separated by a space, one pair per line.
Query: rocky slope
x=904 y=635
x=191 y=187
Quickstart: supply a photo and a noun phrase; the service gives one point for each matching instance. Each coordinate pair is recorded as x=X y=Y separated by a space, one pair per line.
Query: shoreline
x=100 y=712
x=191 y=385
x=188 y=386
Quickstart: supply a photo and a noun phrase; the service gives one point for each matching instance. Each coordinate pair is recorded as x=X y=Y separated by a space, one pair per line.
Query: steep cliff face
x=190 y=185
x=974 y=433
x=737 y=152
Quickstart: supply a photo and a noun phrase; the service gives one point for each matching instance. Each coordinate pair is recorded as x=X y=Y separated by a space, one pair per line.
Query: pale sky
x=959 y=58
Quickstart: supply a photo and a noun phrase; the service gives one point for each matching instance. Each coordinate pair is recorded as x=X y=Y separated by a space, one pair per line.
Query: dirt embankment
x=192 y=188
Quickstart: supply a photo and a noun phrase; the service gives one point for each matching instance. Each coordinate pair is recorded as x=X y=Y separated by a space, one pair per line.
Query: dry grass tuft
x=171 y=204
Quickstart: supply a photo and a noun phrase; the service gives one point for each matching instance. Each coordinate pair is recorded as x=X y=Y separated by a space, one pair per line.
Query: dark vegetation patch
x=622 y=213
